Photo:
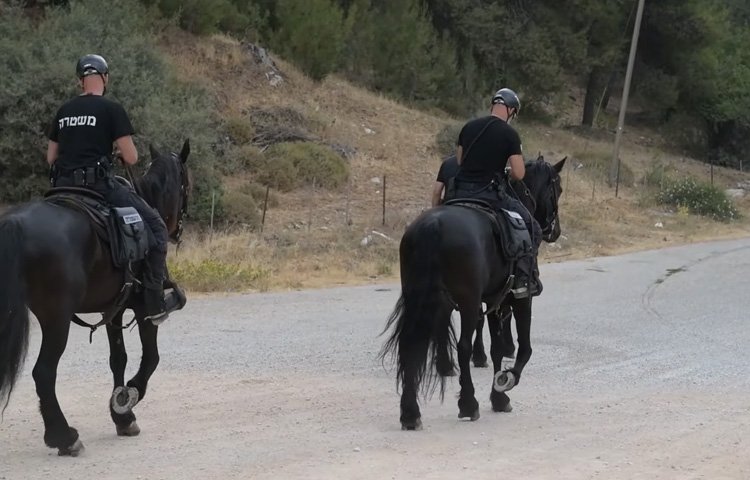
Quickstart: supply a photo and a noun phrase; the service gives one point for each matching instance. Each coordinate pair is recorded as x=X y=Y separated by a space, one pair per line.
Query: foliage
x=446 y=139
x=311 y=34
x=179 y=110
x=211 y=275
x=699 y=198
x=210 y=16
x=307 y=163
x=241 y=209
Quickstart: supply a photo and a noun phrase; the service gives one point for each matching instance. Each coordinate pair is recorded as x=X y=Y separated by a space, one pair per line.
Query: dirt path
x=646 y=379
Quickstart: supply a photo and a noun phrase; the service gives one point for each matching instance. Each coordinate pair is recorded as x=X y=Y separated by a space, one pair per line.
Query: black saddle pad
x=122 y=229
x=508 y=227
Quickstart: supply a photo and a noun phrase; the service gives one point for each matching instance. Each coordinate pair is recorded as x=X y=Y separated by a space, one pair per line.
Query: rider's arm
x=127 y=150
x=437 y=191
x=517 y=167
x=515 y=161
x=52 y=148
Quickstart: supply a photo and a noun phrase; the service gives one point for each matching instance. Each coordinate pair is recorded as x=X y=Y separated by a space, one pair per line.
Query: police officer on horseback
x=79 y=153
x=486 y=146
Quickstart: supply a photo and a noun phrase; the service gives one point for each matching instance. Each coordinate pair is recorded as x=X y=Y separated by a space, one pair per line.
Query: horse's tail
x=14 y=316
x=421 y=320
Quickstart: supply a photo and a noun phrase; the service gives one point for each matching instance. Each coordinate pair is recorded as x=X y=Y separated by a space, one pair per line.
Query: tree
x=311 y=34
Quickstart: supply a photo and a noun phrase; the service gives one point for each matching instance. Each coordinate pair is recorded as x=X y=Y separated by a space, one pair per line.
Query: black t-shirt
x=85 y=129
x=489 y=154
x=448 y=169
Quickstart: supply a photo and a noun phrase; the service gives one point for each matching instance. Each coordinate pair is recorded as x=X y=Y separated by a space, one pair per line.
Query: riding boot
x=153 y=285
x=524 y=283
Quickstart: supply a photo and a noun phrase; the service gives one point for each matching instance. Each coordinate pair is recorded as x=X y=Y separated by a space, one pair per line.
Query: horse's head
x=541 y=194
x=166 y=187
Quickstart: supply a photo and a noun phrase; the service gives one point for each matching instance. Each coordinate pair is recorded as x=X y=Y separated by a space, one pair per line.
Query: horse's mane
x=159 y=173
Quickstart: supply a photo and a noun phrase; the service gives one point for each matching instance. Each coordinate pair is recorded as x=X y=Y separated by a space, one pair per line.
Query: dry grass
x=312 y=238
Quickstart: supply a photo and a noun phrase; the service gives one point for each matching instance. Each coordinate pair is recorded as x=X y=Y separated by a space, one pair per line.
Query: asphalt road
x=640 y=371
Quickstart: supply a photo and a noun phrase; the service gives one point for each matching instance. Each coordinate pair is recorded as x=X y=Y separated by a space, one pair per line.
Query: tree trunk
x=594 y=87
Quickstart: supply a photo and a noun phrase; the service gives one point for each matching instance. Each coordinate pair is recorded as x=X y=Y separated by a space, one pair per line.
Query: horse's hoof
x=481 y=363
x=131 y=430
x=507 y=408
x=473 y=416
x=504 y=381
x=124 y=399
x=412 y=426
x=72 y=451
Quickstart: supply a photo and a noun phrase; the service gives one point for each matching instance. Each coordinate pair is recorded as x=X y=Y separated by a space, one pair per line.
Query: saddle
x=121 y=228
x=508 y=227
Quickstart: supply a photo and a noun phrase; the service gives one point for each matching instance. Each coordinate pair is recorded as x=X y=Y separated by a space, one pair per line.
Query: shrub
x=163 y=109
x=598 y=164
x=446 y=139
x=240 y=130
x=699 y=198
x=212 y=275
x=240 y=209
x=258 y=192
x=311 y=162
x=277 y=172
x=312 y=34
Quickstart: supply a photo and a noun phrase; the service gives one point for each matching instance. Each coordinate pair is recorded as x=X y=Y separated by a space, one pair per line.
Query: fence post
x=347 y=218
x=213 y=206
x=265 y=207
x=310 y=208
x=384 y=187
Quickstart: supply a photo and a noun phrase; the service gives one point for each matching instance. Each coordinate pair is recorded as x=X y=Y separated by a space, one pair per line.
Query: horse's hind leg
x=57 y=433
x=412 y=355
x=478 y=355
x=522 y=313
x=122 y=399
x=468 y=407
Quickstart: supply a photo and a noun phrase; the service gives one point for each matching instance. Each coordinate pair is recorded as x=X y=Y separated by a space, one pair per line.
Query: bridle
x=184 y=192
x=530 y=202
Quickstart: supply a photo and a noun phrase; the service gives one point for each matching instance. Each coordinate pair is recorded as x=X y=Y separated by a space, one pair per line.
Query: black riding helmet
x=91 y=65
x=507 y=97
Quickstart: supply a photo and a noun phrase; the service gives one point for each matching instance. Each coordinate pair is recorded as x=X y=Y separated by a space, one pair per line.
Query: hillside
x=306 y=240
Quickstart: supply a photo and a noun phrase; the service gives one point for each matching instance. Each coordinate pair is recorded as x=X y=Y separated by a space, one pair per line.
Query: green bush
x=699 y=198
x=240 y=209
x=211 y=275
x=210 y=16
x=311 y=162
x=311 y=33
x=277 y=172
x=258 y=192
x=163 y=109
x=597 y=165
x=446 y=139
x=240 y=130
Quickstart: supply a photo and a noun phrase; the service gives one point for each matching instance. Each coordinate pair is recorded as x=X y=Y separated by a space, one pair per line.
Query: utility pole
x=614 y=173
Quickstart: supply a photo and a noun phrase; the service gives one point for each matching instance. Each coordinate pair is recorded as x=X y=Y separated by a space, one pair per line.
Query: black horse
x=450 y=259
x=53 y=263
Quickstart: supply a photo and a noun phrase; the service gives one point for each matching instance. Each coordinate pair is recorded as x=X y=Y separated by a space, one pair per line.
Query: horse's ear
x=185 y=150
x=154 y=152
x=559 y=165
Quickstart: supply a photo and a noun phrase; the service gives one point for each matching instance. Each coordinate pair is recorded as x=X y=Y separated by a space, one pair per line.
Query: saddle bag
x=128 y=236
x=514 y=236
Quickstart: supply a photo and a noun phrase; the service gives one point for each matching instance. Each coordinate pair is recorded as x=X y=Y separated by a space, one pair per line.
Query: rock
x=376 y=180
x=369 y=131
x=659 y=225
x=357 y=449
x=735 y=192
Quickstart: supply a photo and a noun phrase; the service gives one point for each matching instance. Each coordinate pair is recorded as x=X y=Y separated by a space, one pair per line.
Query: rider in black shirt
x=79 y=151
x=486 y=146
x=448 y=170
